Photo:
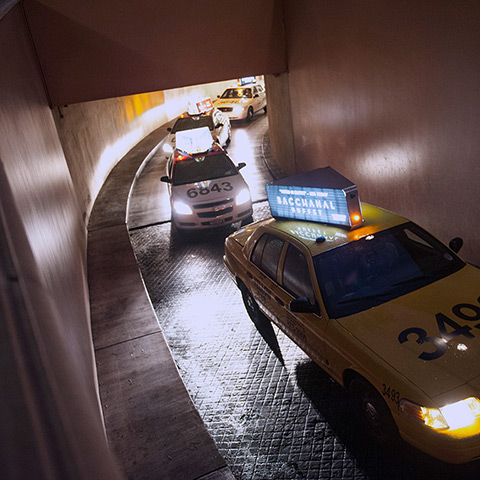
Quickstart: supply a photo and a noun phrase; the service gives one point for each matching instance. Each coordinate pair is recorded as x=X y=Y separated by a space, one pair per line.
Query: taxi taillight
x=179 y=158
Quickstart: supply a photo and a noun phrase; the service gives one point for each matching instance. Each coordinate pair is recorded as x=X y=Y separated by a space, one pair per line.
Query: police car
x=206 y=187
x=241 y=103
x=385 y=308
x=200 y=114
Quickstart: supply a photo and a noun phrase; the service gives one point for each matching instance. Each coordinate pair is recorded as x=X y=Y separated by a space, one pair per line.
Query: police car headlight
x=167 y=148
x=182 y=208
x=243 y=197
x=454 y=416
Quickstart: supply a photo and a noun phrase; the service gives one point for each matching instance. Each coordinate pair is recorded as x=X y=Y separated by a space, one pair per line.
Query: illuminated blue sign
x=321 y=195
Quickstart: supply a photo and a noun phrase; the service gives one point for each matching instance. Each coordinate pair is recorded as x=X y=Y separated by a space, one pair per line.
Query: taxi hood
x=431 y=336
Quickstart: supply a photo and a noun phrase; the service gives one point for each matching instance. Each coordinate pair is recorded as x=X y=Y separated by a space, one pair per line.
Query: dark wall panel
x=387 y=92
x=93 y=50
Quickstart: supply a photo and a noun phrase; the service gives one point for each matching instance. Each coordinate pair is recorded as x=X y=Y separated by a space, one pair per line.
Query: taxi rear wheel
x=373 y=413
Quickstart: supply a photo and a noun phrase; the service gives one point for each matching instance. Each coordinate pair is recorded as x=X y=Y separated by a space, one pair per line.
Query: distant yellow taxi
x=385 y=308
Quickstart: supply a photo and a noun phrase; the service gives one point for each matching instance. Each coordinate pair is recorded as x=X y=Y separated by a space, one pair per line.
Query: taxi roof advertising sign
x=195 y=140
x=200 y=106
x=322 y=195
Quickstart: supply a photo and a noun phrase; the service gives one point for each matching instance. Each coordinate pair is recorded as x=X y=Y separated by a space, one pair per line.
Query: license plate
x=217 y=221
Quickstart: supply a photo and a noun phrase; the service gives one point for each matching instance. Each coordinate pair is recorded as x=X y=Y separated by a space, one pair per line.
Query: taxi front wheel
x=373 y=413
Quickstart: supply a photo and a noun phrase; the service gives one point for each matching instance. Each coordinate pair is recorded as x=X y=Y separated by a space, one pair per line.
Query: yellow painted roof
x=375 y=220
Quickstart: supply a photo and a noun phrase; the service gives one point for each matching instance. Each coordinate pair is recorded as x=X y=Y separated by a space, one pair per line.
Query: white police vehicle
x=206 y=187
x=200 y=114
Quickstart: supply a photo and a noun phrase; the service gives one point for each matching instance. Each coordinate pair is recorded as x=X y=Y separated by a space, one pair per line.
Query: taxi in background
x=241 y=103
x=200 y=114
x=381 y=305
x=206 y=187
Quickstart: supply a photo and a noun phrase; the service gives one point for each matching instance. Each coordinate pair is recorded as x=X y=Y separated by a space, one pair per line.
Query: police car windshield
x=237 y=93
x=378 y=268
x=187 y=123
x=198 y=168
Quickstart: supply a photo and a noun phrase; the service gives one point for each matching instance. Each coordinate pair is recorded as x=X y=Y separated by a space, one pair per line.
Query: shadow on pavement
x=335 y=407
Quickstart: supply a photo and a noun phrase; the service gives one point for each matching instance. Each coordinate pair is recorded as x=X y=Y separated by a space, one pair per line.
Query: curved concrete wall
x=96 y=135
x=50 y=416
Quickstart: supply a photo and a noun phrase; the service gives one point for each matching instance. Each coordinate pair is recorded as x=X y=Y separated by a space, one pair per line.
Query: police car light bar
x=321 y=195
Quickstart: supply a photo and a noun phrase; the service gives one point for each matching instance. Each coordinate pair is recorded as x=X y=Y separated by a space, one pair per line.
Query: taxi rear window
x=187 y=123
x=296 y=275
x=378 y=268
x=266 y=254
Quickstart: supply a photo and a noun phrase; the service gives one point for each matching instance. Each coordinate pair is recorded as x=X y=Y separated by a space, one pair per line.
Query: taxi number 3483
x=193 y=192
x=464 y=311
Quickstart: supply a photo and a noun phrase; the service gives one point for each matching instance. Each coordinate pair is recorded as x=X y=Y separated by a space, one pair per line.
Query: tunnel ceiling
x=102 y=49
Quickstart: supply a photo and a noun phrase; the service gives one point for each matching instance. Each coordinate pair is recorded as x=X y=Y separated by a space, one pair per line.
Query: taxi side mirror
x=456 y=244
x=301 y=305
x=165 y=179
x=241 y=165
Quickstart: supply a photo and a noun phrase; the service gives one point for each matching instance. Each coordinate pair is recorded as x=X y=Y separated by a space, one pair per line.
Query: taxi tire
x=249 y=114
x=373 y=413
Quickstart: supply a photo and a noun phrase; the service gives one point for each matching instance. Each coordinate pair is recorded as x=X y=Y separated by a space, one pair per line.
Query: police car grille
x=214 y=214
x=212 y=204
x=225 y=109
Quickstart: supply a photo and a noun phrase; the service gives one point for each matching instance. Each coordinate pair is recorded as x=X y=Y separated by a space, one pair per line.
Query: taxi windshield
x=198 y=168
x=187 y=123
x=378 y=268
x=237 y=93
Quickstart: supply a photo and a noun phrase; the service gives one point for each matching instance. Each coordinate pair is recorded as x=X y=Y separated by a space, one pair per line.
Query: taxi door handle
x=249 y=275
x=279 y=301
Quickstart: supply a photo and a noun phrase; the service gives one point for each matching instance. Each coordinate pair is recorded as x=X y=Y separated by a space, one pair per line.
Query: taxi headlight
x=167 y=148
x=243 y=197
x=182 y=208
x=456 y=415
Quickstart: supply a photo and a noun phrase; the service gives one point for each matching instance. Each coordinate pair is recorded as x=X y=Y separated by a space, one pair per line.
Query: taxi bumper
x=441 y=446
x=204 y=217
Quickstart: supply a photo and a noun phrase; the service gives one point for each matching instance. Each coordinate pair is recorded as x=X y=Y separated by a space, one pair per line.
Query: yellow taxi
x=381 y=305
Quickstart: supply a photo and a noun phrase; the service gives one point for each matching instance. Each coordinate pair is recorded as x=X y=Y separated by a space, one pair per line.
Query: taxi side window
x=266 y=254
x=296 y=275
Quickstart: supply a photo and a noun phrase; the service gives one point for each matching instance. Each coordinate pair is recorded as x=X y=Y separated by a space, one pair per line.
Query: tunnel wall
x=387 y=93
x=50 y=414
x=96 y=135
x=95 y=50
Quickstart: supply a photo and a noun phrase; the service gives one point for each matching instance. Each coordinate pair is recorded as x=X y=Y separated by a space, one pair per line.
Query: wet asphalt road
x=272 y=412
